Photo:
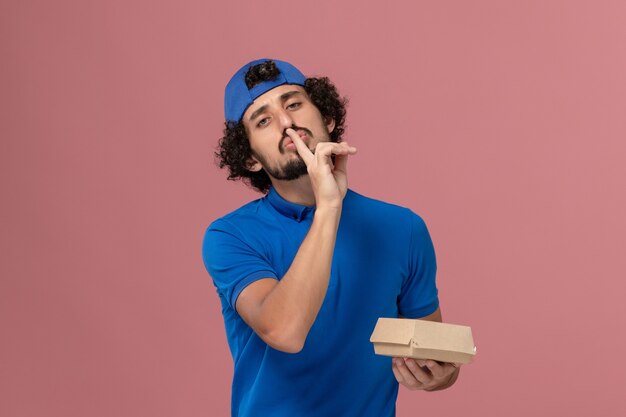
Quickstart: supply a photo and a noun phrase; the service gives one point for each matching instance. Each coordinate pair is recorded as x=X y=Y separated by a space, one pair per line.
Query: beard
x=292 y=170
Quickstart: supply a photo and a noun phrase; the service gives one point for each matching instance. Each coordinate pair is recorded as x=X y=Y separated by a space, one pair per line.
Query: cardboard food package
x=421 y=339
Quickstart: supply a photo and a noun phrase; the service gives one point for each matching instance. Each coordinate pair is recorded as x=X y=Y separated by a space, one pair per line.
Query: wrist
x=328 y=210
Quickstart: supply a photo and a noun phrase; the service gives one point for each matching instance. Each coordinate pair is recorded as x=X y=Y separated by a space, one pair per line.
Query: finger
x=396 y=372
x=303 y=150
x=324 y=152
x=403 y=375
x=437 y=370
x=418 y=372
x=409 y=379
x=325 y=149
x=452 y=368
x=341 y=161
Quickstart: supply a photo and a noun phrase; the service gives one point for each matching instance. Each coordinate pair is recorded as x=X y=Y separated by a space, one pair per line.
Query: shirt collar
x=288 y=209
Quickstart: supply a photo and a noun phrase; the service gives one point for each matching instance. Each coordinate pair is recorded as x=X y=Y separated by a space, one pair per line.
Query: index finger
x=303 y=150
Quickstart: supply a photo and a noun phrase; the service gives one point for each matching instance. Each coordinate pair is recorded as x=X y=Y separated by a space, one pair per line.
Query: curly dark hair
x=233 y=150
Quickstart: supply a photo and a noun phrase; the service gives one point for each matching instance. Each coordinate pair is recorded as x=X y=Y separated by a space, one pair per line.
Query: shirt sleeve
x=231 y=262
x=418 y=297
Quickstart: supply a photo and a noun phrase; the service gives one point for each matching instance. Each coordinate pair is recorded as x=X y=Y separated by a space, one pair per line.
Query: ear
x=330 y=124
x=253 y=164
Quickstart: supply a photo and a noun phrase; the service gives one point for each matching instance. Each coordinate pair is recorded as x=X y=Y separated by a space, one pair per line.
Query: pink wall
x=501 y=123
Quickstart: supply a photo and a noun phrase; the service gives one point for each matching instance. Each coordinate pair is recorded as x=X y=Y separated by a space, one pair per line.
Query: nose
x=285 y=119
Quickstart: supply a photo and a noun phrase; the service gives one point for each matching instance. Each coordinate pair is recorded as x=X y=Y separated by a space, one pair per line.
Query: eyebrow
x=284 y=97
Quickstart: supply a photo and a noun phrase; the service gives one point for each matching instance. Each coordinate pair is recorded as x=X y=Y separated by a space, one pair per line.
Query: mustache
x=296 y=128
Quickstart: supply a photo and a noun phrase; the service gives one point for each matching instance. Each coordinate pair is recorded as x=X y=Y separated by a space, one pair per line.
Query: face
x=266 y=121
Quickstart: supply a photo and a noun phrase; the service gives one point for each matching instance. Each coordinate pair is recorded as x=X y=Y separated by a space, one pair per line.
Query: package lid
x=398 y=331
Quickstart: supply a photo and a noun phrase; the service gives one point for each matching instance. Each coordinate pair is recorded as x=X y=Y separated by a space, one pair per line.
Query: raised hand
x=329 y=181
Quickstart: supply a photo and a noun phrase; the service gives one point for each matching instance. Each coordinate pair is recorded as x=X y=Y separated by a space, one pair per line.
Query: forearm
x=290 y=309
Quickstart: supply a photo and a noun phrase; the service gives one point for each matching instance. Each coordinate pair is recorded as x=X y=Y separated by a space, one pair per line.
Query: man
x=304 y=273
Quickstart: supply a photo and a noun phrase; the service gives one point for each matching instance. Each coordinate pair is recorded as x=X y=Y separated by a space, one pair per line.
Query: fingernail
x=421 y=363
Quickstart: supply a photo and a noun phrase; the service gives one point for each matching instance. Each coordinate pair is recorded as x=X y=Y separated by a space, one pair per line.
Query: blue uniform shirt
x=383 y=266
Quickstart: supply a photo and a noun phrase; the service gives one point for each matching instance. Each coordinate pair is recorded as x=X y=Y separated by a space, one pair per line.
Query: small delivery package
x=421 y=339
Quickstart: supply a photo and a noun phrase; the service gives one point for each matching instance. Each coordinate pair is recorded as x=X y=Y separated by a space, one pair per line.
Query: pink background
x=501 y=123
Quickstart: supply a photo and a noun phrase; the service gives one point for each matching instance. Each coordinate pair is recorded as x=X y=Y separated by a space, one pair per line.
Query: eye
x=294 y=106
x=264 y=121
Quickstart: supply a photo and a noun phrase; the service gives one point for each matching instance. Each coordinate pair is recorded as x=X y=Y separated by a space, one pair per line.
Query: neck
x=297 y=191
